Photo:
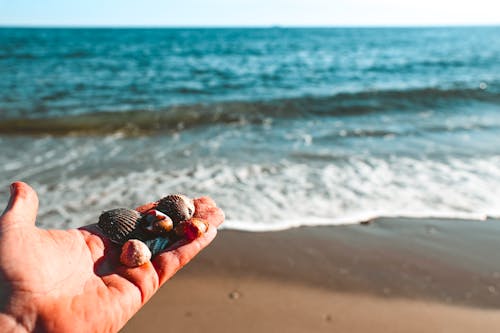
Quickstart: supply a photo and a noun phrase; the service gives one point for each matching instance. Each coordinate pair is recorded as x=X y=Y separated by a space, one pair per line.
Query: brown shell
x=177 y=206
x=156 y=223
x=120 y=224
x=162 y=227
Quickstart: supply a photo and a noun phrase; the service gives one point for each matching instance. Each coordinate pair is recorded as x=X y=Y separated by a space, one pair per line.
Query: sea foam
x=281 y=195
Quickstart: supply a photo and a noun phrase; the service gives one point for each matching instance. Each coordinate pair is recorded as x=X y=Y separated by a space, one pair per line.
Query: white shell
x=135 y=253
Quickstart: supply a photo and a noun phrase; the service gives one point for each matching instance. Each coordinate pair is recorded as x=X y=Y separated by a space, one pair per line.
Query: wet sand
x=391 y=275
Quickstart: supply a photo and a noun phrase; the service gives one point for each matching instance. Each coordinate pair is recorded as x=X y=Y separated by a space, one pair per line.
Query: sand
x=393 y=275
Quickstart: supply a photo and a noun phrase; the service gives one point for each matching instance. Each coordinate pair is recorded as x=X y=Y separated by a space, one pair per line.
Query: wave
x=271 y=196
x=365 y=218
x=173 y=118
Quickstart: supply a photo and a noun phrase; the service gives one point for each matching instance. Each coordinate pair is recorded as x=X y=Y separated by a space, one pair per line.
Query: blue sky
x=248 y=12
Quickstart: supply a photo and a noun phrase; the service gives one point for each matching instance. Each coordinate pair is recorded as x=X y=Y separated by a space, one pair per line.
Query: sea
x=283 y=127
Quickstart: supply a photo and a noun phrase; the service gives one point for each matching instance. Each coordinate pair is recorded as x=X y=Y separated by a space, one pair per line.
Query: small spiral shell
x=156 y=223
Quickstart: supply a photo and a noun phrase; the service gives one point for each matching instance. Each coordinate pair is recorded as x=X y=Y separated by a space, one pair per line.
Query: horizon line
x=270 y=26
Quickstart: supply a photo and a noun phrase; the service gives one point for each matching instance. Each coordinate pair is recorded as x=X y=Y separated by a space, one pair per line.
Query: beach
x=390 y=275
x=358 y=168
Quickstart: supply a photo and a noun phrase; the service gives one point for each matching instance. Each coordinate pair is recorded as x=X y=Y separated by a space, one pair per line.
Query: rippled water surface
x=282 y=127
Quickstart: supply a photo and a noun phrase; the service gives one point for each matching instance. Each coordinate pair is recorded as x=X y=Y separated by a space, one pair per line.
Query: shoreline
x=364 y=219
x=434 y=274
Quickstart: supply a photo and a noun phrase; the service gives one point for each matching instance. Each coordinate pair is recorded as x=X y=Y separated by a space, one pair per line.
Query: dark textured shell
x=177 y=206
x=156 y=245
x=120 y=224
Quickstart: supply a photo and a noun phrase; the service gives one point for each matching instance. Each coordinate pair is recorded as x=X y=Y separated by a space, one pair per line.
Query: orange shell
x=191 y=229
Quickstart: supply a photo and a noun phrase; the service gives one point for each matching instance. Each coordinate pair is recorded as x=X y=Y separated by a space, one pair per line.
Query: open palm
x=71 y=280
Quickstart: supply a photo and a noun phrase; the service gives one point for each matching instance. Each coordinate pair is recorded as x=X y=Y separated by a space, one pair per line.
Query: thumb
x=22 y=207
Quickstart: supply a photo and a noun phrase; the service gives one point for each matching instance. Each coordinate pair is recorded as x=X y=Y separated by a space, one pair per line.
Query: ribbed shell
x=177 y=206
x=120 y=224
x=158 y=244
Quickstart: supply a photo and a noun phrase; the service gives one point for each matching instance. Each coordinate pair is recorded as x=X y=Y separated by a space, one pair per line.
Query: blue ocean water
x=283 y=127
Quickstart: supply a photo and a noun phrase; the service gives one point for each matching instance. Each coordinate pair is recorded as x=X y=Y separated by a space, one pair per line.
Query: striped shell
x=120 y=224
x=157 y=245
x=177 y=206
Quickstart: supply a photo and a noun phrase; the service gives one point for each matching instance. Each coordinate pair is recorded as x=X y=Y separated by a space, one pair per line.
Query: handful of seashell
x=145 y=235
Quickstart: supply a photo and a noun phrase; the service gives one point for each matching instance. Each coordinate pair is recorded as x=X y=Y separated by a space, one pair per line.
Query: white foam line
x=265 y=226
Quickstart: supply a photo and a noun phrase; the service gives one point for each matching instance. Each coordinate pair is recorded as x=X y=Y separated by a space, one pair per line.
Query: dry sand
x=394 y=275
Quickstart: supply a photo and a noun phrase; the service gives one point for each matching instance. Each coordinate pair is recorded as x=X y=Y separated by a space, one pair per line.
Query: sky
x=248 y=12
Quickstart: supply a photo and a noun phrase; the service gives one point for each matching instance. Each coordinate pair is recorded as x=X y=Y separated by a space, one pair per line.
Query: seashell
x=179 y=207
x=119 y=224
x=158 y=244
x=157 y=222
x=135 y=253
x=191 y=229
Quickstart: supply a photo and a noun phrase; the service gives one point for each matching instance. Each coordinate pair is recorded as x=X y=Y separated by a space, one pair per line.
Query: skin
x=71 y=280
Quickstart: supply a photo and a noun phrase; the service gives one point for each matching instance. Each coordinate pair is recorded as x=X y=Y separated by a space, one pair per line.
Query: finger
x=206 y=201
x=22 y=207
x=144 y=208
x=168 y=263
x=206 y=209
x=144 y=278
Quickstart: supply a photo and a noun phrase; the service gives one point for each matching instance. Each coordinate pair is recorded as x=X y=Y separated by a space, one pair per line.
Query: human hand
x=71 y=280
